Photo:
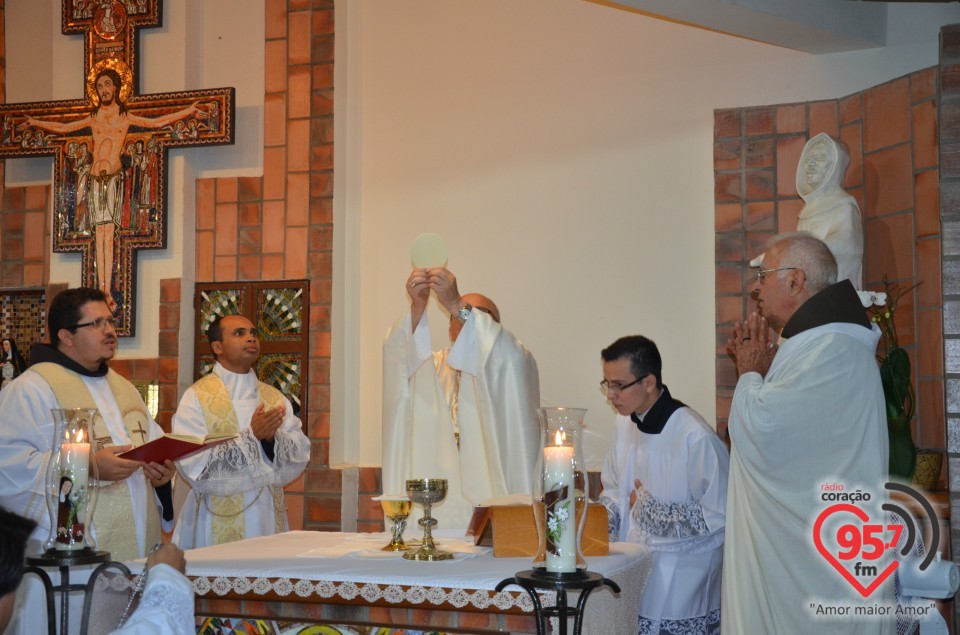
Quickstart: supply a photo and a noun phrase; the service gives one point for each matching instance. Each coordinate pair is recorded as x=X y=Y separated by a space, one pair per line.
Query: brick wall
x=24 y=235
x=891 y=133
x=280 y=226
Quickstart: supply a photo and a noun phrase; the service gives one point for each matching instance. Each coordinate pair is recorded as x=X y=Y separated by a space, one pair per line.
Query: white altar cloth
x=278 y=564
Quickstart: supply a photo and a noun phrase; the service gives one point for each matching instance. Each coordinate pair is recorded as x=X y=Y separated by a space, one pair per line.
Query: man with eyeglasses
x=236 y=488
x=72 y=372
x=466 y=413
x=806 y=413
x=664 y=486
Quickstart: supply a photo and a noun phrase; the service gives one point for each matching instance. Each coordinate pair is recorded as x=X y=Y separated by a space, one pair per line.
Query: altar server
x=72 y=372
x=807 y=413
x=237 y=486
x=665 y=486
x=466 y=413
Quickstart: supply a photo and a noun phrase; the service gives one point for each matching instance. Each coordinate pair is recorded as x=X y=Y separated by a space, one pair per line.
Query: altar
x=340 y=577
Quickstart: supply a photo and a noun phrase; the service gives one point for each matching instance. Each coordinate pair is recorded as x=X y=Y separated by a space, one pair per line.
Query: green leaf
x=895 y=377
x=903 y=455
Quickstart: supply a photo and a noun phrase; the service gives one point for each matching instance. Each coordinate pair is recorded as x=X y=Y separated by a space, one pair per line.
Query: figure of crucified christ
x=108 y=124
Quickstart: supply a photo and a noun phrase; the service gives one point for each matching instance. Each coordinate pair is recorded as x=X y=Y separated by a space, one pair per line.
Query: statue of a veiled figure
x=829 y=212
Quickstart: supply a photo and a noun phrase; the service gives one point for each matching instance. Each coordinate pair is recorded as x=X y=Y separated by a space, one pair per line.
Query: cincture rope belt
x=455 y=408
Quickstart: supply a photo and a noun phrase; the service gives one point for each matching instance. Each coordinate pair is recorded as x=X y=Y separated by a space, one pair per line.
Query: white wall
x=199 y=45
x=564 y=150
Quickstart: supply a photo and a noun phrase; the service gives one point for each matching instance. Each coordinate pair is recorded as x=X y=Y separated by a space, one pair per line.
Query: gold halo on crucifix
x=126 y=79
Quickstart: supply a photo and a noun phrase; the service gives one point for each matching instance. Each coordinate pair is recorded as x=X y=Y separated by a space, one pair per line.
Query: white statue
x=829 y=212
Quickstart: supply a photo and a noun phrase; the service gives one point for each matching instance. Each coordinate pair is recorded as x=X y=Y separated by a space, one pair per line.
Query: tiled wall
x=891 y=133
x=23 y=319
x=950 y=221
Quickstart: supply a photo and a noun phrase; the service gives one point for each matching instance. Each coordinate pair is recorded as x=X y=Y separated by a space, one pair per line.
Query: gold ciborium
x=397 y=509
x=427 y=491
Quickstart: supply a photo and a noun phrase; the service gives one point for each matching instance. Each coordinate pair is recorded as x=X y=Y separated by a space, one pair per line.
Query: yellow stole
x=113 y=515
x=227 y=522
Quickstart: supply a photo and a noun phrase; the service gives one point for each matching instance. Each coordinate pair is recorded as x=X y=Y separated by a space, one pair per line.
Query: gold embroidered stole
x=227 y=521
x=113 y=515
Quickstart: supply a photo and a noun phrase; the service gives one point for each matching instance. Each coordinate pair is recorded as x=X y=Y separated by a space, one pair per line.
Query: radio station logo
x=864 y=549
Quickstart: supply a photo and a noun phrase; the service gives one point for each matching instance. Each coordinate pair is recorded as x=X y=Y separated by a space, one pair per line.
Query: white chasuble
x=236 y=490
x=484 y=389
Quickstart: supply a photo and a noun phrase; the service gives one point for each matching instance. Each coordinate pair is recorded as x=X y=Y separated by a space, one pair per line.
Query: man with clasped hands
x=808 y=411
x=236 y=488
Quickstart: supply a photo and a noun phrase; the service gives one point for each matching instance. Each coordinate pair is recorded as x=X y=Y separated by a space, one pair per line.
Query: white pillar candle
x=558 y=473
x=75 y=464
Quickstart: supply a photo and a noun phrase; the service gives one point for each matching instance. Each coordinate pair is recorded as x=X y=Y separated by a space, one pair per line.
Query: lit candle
x=558 y=491
x=75 y=466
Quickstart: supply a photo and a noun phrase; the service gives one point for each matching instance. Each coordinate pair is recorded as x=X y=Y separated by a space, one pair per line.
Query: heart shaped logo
x=858 y=541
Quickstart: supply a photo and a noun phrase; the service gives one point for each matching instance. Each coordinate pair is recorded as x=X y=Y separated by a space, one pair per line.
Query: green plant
x=895 y=375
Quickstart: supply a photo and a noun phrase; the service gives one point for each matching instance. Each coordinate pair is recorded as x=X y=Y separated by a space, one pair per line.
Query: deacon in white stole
x=237 y=486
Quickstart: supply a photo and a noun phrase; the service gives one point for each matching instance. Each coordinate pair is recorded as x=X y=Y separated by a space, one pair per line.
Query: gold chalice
x=427 y=491
x=397 y=509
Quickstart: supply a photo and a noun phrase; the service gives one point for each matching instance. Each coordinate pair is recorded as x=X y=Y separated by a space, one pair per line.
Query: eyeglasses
x=615 y=388
x=762 y=273
x=99 y=324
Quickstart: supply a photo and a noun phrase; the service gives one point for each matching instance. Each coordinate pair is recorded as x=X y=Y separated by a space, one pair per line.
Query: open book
x=173 y=447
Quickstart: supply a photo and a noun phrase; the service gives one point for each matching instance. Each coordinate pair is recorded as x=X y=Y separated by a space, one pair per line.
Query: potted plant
x=895 y=375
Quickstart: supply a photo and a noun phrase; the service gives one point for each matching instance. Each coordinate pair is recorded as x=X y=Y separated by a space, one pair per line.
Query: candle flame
x=80 y=435
x=558 y=439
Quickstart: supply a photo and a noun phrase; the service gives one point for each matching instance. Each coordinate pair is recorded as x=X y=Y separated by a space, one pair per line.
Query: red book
x=173 y=447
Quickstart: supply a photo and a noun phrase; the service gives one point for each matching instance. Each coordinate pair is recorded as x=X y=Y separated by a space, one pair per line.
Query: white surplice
x=166 y=607
x=679 y=515
x=498 y=397
x=237 y=466
x=818 y=417
x=26 y=436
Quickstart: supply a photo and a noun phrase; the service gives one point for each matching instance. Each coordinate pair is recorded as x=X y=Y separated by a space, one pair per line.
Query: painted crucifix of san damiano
x=110 y=147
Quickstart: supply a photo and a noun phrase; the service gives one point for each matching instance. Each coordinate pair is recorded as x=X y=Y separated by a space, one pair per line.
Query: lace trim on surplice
x=654 y=518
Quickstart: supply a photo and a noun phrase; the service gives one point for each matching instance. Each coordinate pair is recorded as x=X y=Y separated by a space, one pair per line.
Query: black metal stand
x=64 y=560
x=586 y=581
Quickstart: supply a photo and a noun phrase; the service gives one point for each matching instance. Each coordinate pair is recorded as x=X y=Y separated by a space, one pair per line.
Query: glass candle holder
x=559 y=497
x=71 y=473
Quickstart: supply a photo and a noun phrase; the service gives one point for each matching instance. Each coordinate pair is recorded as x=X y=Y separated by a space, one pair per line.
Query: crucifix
x=110 y=148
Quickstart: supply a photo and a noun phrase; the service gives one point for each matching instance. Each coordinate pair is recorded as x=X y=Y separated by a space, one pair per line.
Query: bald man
x=466 y=413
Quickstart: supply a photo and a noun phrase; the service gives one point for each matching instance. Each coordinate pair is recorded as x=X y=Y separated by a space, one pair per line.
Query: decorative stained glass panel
x=215 y=302
x=280 y=310
x=283 y=372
